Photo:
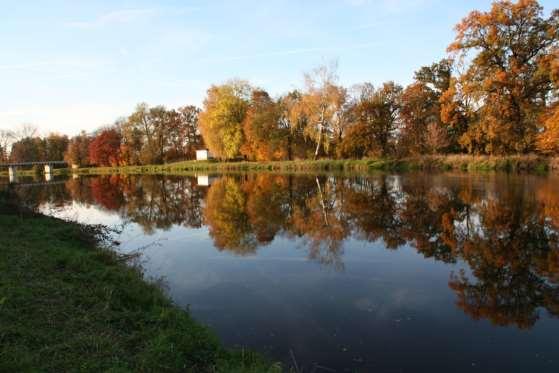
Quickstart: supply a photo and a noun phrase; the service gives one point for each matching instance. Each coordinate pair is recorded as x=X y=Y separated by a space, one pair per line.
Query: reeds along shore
x=431 y=163
x=435 y=163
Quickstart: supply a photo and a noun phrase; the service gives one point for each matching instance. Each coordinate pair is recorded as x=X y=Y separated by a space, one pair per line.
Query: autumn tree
x=264 y=140
x=322 y=107
x=78 y=150
x=184 y=135
x=457 y=111
x=226 y=217
x=374 y=120
x=548 y=140
x=436 y=138
x=292 y=123
x=144 y=134
x=55 y=147
x=104 y=149
x=221 y=120
x=28 y=149
x=420 y=112
x=508 y=79
x=106 y=191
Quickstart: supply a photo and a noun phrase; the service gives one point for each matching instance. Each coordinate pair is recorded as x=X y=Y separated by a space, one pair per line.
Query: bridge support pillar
x=48 y=177
x=12 y=173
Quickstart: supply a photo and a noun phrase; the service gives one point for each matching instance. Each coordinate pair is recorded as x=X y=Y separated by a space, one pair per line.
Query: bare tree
x=23 y=131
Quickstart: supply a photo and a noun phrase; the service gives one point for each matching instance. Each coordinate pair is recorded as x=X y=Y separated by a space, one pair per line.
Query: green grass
x=450 y=162
x=530 y=163
x=36 y=172
x=69 y=304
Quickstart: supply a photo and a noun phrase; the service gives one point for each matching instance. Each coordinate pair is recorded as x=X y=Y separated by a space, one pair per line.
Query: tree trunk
x=289 y=150
x=324 y=213
x=319 y=141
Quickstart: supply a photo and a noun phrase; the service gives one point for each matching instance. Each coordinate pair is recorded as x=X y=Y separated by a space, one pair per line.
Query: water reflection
x=504 y=227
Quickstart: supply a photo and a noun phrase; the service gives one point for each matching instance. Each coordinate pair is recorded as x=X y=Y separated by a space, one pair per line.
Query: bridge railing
x=40 y=163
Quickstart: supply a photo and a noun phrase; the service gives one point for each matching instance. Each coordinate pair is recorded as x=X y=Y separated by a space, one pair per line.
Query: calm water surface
x=379 y=273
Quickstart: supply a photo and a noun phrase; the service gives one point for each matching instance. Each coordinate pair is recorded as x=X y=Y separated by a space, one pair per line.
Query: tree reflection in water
x=504 y=227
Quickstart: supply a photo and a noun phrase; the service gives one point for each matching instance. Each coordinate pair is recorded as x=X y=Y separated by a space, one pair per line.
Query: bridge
x=35 y=184
x=12 y=168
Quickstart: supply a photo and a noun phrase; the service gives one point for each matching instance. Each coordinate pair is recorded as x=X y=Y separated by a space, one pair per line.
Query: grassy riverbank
x=530 y=163
x=512 y=163
x=68 y=303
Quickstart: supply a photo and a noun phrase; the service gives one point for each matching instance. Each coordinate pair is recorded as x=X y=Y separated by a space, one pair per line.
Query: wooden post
x=12 y=172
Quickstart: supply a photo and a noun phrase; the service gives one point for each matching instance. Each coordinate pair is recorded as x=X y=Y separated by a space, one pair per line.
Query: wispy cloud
x=113 y=17
x=296 y=51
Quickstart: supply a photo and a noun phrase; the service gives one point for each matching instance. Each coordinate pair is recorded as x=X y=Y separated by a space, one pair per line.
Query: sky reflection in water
x=383 y=272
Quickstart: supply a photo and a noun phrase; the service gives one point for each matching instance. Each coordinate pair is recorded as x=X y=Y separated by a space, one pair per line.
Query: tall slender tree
x=322 y=106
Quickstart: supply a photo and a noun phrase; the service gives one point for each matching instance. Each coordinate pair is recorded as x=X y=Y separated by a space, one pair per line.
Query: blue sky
x=71 y=65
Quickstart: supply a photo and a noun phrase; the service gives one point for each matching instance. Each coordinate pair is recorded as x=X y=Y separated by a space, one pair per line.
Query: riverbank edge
x=436 y=163
x=524 y=163
x=70 y=302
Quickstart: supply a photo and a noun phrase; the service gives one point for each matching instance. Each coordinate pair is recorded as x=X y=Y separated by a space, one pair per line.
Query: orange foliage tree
x=374 y=117
x=548 y=140
x=264 y=139
x=508 y=79
x=78 y=150
x=104 y=149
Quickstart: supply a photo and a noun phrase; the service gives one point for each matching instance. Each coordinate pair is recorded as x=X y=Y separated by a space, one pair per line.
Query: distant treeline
x=497 y=93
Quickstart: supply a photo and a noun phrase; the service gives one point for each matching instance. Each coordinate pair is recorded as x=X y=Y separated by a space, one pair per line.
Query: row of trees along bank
x=496 y=93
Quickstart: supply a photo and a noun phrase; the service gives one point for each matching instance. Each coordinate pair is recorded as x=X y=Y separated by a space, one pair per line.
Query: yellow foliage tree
x=221 y=120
